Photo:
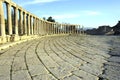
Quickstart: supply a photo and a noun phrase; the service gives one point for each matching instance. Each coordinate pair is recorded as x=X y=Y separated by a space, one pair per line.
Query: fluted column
x=2 y=21
x=9 y=18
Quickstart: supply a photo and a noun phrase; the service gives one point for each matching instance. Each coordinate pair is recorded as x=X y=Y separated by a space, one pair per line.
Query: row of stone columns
x=28 y=24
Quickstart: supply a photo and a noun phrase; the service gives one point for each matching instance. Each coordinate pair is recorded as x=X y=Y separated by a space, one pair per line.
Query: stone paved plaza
x=74 y=57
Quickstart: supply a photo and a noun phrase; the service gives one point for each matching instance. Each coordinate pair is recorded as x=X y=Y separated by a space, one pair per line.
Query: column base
x=16 y=37
x=3 y=39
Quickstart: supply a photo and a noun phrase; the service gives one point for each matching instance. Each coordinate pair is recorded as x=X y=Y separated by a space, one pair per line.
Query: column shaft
x=16 y=21
x=2 y=21
x=9 y=18
x=28 y=24
x=25 y=26
x=21 y=22
x=31 y=25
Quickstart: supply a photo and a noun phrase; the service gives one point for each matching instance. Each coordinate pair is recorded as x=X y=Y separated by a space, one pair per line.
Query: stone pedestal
x=3 y=40
x=16 y=38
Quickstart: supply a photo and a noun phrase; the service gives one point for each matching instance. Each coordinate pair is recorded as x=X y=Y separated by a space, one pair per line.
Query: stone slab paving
x=75 y=57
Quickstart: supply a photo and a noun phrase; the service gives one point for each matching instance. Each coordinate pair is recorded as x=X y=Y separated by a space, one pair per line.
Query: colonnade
x=23 y=23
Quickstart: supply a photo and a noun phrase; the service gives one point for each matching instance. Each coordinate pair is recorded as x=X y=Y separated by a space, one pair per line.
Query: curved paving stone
x=61 y=58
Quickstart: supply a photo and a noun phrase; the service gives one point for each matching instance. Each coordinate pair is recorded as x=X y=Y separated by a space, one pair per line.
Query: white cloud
x=38 y=1
x=92 y=13
x=64 y=16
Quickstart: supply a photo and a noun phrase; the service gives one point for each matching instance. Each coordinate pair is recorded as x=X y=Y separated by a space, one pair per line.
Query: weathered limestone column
x=63 y=28
x=42 y=30
x=25 y=25
x=9 y=18
x=35 y=25
x=31 y=25
x=52 y=28
x=39 y=26
x=46 y=27
x=2 y=23
x=60 y=29
x=21 y=22
x=79 y=29
x=56 y=28
x=16 y=21
x=28 y=24
x=16 y=37
x=34 y=21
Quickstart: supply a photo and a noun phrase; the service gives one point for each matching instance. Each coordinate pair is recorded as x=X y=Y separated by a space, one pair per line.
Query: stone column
x=16 y=21
x=51 y=28
x=31 y=25
x=44 y=27
x=63 y=28
x=9 y=18
x=34 y=26
x=2 y=21
x=21 y=22
x=28 y=24
x=25 y=26
x=56 y=28
x=39 y=26
x=79 y=30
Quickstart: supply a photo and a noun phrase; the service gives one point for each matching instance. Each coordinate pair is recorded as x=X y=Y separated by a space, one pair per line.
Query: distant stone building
x=101 y=30
x=116 y=28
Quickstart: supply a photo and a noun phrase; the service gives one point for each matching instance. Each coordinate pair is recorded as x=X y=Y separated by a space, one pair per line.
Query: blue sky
x=89 y=13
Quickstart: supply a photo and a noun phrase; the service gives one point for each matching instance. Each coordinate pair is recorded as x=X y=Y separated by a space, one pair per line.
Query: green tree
x=44 y=18
x=50 y=19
